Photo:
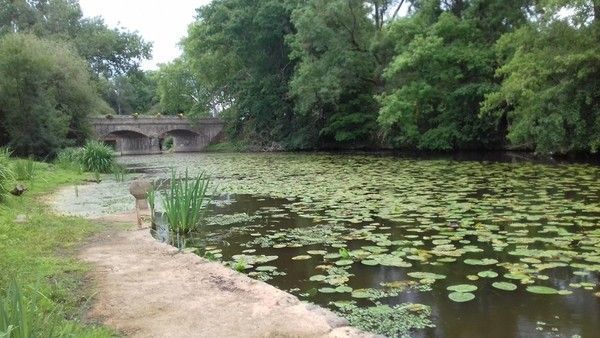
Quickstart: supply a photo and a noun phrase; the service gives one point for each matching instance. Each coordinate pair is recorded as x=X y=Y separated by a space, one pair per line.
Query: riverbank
x=38 y=250
x=149 y=289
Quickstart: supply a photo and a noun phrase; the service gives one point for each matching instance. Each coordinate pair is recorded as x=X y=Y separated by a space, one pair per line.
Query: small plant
x=185 y=201
x=119 y=172
x=240 y=266
x=15 y=319
x=97 y=157
x=151 y=198
x=109 y=116
x=25 y=170
x=136 y=116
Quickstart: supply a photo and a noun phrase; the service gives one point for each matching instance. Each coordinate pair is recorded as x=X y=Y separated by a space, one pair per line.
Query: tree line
x=409 y=74
x=56 y=68
x=315 y=74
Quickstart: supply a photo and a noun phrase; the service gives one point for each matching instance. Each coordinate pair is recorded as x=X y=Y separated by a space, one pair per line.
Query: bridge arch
x=143 y=134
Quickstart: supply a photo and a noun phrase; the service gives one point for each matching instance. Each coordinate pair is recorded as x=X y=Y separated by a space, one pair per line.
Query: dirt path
x=148 y=289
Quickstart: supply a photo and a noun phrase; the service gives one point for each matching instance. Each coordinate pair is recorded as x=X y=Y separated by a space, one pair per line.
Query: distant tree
x=180 y=90
x=108 y=51
x=45 y=95
x=135 y=92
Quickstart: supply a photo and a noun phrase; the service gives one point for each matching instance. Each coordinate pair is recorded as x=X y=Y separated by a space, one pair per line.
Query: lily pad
x=462 y=288
x=425 y=275
x=542 y=290
x=327 y=290
x=461 y=297
x=317 y=278
x=484 y=261
x=487 y=274
x=506 y=286
x=301 y=257
x=344 y=262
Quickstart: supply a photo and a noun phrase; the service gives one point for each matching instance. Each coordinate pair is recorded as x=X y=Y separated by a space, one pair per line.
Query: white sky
x=162 y=22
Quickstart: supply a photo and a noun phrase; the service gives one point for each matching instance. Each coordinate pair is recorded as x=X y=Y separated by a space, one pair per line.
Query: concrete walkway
x=148 y=289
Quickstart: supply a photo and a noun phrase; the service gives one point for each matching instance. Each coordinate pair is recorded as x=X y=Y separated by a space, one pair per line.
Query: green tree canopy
x=109 y=51
x=551 y=81
x=45 y=95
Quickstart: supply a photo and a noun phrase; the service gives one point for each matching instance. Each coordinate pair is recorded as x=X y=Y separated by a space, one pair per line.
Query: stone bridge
x=146 y=134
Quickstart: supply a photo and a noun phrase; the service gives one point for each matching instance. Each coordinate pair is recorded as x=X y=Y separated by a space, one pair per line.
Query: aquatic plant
x=151 y=198
x=15 y=318
x=119 y=172
x=185 y=201
x=25 y=169
x=391 y=321
x=97 y=157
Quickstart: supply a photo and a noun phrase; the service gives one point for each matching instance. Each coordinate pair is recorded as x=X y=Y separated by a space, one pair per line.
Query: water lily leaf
x=461 y=297
x=485 y=261
x=327 y=290
x=370 y=262
x=317 y=278
x=425 y=275
x=316 y=252
x=542 y=290
x=344 y=262
x=504 y=286
x=361 y=293
x=301 y=257
x=462 y=288
x=266 y=268
x=343 y=289
x=487 y=274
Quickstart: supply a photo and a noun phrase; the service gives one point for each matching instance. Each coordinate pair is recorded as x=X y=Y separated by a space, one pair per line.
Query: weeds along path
x=148 y=289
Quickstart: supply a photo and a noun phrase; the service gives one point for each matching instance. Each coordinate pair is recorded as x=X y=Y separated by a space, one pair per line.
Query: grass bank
x=40 y=255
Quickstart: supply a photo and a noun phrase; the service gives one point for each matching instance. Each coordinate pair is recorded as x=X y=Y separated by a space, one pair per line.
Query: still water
x=517 y=243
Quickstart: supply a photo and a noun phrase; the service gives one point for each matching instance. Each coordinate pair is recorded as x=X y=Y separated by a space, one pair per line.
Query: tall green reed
x=15 y=317
x=25 y=169
x=185 y=201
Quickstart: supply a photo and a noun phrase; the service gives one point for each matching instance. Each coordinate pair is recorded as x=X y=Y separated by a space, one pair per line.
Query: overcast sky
x=162 y=22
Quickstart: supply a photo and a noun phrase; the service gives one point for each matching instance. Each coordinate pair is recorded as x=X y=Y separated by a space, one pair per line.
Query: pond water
x=488 y=249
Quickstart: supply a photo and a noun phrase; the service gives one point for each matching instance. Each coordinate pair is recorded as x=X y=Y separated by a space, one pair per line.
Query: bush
x=46 y=94
x=97 y=157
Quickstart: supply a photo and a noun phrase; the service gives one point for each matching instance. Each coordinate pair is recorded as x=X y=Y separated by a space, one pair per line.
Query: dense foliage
x=420 y=74
x=57 y=67
x=45 y=95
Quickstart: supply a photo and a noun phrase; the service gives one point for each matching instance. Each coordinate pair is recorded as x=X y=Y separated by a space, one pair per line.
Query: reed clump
x=185 y=201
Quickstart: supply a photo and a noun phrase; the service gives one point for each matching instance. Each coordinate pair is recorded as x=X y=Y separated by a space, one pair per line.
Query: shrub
x=185 y=201
x=97 y=157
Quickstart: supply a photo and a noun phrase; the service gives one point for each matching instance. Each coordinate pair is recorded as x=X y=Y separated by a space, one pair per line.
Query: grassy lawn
x=40 y=255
